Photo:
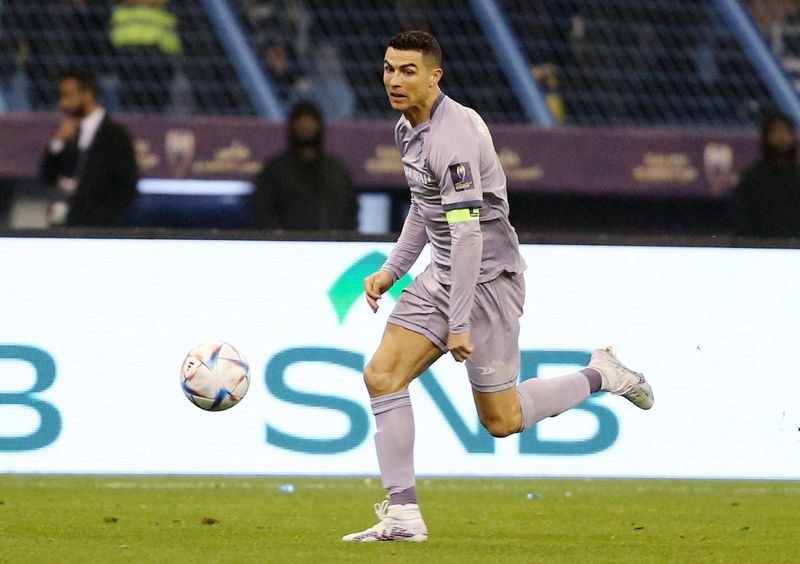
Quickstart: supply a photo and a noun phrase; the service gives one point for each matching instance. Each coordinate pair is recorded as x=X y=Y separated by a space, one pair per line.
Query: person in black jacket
x=90 y=161
x=303 y=188
x=766 y=202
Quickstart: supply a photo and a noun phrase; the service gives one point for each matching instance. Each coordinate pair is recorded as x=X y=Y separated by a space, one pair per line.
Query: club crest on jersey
x=462 y=176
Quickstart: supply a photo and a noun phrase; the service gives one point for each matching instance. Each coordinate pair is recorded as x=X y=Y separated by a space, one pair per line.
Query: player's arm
x=405 y=252
x=413 y=238
x=455 y=160
x=466 y=250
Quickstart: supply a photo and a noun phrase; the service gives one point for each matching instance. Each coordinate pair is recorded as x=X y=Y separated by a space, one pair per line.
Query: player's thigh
x=495 y=363
x=402 y=356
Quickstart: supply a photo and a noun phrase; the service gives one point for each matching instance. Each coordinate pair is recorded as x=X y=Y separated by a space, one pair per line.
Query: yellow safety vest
x=136 y=26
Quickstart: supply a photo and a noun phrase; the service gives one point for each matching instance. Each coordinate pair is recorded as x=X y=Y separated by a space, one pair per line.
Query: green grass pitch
x=248 y=519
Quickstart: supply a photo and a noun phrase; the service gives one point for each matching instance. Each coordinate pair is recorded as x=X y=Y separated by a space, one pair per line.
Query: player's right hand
x=375 y=285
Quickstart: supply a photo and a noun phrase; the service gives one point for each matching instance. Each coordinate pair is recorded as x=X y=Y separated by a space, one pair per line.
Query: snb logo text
x=473 y=440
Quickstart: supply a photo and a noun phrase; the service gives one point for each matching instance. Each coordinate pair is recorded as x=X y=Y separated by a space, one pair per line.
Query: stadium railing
x=657 y=63
x=673 y=63
x=38 y=40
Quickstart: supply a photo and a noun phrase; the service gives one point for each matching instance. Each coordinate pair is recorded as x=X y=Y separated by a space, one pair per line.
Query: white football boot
x=620 y=380
x=396 y=523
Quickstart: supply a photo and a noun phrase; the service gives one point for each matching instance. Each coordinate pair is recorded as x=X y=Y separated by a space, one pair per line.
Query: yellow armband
x=463 y=214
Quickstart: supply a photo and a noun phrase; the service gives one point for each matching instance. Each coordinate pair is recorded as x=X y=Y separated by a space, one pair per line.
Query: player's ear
x=436 y=76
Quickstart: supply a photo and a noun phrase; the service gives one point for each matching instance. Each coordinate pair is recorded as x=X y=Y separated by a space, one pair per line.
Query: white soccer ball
x=215 y=376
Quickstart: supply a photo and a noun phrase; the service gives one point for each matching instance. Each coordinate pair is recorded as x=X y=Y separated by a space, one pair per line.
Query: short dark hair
x=85 y=79
x=418 y=41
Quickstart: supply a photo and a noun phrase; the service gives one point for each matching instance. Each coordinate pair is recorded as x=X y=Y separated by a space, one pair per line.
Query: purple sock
x=403 y=497
x=595 y=380
x=394 y=442
x=547 y=397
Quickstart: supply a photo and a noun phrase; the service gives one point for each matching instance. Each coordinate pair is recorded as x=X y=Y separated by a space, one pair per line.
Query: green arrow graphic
x=349 y=287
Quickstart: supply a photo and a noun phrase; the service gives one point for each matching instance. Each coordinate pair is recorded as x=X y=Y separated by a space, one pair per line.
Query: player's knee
x=380 y=381
x=501 y=426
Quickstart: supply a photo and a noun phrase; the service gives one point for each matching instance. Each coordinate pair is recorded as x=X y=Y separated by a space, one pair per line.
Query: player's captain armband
x=463 y=214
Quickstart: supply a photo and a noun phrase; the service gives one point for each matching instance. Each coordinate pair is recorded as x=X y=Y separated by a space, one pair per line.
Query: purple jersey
x=458 y=202
x=450 y=163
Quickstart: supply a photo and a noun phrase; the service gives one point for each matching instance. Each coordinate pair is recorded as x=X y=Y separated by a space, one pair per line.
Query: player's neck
x=422 y=112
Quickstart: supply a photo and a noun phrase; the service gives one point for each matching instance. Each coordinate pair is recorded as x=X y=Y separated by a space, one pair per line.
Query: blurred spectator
x=283 y=71
x=547 y=77
x=327 y=86
x=281 y=32
x=303 y=188
x=148 y=47
x=769 y=13
x=90 y=160
x=579 y=46
x=766 y=202
x=15 y=88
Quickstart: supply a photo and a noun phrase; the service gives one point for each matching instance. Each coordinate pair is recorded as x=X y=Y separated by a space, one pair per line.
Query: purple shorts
x=494 y=364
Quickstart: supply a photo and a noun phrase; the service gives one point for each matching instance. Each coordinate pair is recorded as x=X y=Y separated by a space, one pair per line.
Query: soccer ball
x=215 y=376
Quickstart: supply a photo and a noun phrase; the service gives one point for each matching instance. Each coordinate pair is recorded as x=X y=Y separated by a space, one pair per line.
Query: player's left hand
x=460 y=345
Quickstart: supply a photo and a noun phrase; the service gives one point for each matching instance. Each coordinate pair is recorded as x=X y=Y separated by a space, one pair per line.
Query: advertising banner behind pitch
x=94 y=331
x=637 y=162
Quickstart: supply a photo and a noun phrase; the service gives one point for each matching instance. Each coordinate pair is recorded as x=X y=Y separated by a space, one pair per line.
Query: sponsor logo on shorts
x=462 y=176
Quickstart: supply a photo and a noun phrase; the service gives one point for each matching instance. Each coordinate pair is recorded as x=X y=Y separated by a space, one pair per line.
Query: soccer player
x=468 y=300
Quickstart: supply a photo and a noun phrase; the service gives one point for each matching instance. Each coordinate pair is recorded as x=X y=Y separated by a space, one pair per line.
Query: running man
x=469 y=299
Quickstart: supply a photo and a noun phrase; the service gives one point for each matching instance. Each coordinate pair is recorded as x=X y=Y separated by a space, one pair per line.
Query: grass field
x=230 y=519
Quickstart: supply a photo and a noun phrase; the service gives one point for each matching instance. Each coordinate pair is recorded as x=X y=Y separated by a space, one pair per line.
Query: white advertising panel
x=94 y=331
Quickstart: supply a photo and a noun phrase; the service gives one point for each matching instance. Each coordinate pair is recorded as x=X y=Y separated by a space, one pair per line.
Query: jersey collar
x=438 y=101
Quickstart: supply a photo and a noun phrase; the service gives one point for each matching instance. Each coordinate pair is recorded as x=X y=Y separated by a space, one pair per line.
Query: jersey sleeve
x=454 y=160
x=412 y=240
x=465 y=254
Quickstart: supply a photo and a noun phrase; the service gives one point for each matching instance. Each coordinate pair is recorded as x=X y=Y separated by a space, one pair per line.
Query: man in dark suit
x=90 y=160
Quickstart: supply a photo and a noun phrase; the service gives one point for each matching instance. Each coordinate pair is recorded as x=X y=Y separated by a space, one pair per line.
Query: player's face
x=408 y=79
